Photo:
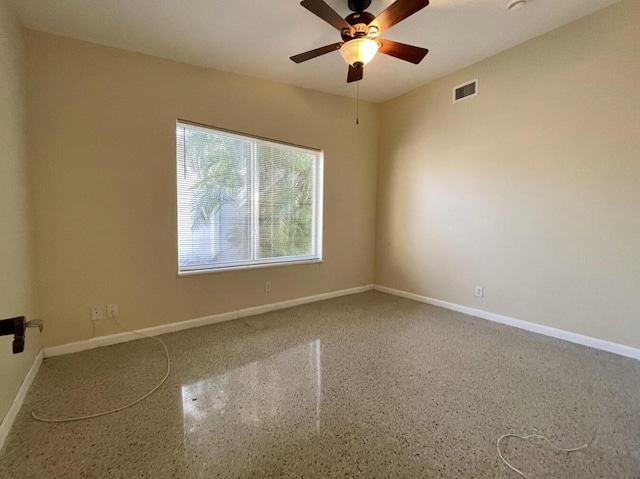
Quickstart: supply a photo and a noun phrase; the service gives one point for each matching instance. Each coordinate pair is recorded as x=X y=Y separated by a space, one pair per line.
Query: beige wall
x=17 y=296
x=531 y=189
x=103 y=152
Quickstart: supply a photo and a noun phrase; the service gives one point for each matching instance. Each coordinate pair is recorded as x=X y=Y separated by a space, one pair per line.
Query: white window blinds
x=245 y=202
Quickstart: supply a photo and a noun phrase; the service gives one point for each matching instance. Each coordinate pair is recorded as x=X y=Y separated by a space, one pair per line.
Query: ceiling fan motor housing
x=360 y=22
x=359 y=5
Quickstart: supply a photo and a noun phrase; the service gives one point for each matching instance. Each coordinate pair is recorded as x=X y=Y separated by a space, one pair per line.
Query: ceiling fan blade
x=303 y=57
x=408 y=53
x=324 y=11
x=355 y=74
x=397 y=11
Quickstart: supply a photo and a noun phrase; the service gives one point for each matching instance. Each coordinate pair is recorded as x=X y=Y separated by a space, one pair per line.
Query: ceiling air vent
x=465 y=91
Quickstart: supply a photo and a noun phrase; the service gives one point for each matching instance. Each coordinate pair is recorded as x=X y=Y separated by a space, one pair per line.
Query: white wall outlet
x=96 y=313
x=479 y=291
x=112 y=310
x=267 y=287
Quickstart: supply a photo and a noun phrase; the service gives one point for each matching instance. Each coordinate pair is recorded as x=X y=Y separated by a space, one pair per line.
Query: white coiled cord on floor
x=110 y=411
x=537 y=436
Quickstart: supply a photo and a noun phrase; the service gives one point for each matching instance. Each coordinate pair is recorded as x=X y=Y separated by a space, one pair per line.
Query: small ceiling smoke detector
x=514 y=5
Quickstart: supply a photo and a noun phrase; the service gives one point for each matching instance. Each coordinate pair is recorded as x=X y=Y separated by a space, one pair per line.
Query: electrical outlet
x=479 y=291
x=112 y=310
x=96 y=313
x=267 y=287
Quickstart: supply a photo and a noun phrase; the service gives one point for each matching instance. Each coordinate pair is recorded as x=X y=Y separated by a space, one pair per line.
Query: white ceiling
x=257 y=37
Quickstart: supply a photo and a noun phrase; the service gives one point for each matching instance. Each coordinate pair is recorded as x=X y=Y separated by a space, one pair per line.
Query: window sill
x=244 y=268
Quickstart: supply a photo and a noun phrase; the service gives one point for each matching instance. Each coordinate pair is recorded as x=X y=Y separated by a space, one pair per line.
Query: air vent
x=465 y=91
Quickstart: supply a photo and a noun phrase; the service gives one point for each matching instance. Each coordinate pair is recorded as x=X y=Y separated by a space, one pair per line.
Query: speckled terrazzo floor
x=369 y=385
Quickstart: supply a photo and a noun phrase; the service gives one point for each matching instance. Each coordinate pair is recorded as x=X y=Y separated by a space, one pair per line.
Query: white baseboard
x=300 y=301
x=595 y=343
x=194 y=323
x=12 y=413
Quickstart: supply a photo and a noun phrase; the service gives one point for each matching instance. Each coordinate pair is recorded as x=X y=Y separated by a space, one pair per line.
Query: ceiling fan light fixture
x=359 y=51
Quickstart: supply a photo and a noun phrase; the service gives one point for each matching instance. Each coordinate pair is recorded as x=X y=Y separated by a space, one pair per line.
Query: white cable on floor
x=538 y=436
x=104 y=413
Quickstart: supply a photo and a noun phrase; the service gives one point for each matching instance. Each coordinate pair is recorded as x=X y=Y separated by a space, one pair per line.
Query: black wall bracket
x=17 y=326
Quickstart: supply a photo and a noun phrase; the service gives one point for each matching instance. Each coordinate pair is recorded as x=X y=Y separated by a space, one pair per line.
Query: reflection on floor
x=280 y=393
x=368 y=385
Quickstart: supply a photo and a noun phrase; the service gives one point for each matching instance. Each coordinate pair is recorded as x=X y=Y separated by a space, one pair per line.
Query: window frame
x=317 y=221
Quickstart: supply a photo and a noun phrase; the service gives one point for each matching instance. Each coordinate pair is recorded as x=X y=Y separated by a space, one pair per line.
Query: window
x=245 y=202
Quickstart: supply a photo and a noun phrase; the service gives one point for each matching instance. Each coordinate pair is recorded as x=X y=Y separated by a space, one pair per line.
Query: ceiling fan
x=360 y=32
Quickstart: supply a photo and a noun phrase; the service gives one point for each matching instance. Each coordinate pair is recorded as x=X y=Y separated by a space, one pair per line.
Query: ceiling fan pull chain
x=358 y=92
x=357 y=103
